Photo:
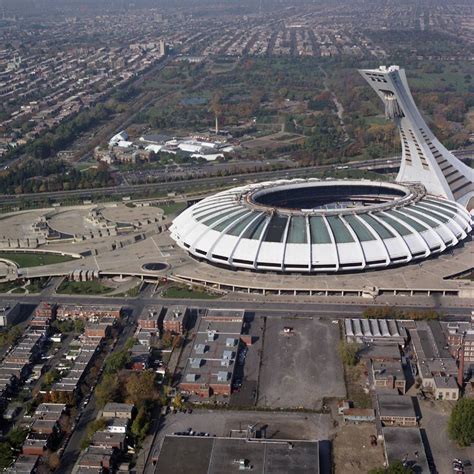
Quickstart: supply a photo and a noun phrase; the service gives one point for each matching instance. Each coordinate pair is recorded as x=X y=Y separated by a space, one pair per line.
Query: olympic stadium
x=311 y=226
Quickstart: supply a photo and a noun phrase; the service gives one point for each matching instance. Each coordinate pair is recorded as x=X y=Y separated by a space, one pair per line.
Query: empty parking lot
x=301 y=366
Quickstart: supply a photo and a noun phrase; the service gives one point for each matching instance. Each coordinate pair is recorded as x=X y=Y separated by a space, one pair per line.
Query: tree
x=97 y=425
x=140 y=388
x=131 y=341
x=79 y=325
x=348 y=352
x=178 y=401
x=117 y=361
x=108 y=390
x=53 y=461
x=6 y=455
x=140 y=425
x=396 y=467
x=167 y=339
x=461 y=422
x=16 y=437
x=52 y=376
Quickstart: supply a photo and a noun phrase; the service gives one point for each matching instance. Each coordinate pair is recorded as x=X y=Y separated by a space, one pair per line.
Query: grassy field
x=181 y=292
x=7 y=286
x=173 y=208
x=83 y=288
x=131 y=293
x=27 y=259
x=452 y=77
x=355 y=386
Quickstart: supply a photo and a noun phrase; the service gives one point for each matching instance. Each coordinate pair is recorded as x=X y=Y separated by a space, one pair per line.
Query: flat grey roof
x=395 y=405
x=406 y=444
x=380 y=351
x=184 y=454
x=386 y=369
x=176 y=313
x=151 y=313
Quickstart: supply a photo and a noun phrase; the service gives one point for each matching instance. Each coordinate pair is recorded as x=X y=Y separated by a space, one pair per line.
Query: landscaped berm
x=34 y=259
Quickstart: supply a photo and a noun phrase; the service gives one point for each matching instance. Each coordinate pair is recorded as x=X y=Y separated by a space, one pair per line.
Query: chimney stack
x=461 y=365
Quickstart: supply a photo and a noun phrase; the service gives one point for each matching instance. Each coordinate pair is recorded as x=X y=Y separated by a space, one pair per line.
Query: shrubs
x=389 y=312
x=394 y=468
x=348 y=352
x=461 y=422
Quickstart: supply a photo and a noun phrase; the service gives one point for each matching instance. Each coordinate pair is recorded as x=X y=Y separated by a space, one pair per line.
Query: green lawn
x=173 y=208
x=83 y=288
x=19 y=291
x=7 y=286
x=131 y=293
x=186 y=293
x=27 y=259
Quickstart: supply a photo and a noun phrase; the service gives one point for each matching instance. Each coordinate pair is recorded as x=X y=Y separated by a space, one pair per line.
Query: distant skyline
x=41 y=7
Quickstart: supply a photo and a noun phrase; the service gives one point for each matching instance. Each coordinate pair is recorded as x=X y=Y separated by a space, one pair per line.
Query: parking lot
x=434 y=421
x=300 y=366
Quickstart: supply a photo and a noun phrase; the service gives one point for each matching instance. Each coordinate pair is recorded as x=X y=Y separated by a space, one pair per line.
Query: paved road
x=320 y=307
x=185 y=185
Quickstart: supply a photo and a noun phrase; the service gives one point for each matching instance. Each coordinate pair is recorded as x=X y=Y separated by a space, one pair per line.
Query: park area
x=33 y=259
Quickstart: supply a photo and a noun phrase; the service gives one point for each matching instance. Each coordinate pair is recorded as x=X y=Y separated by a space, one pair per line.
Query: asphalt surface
x=320 y=307
x=185 y=185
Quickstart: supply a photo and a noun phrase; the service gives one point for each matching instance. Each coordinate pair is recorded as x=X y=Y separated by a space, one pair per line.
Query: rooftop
x=151 y=313
x=445 y=382
x=401 y=443
x=112 y=406
x=395 y=405
x=176 y=313
x=387 y=369
x=227 y=455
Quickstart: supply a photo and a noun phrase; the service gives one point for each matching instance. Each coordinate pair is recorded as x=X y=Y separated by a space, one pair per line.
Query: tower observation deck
x=424 y=159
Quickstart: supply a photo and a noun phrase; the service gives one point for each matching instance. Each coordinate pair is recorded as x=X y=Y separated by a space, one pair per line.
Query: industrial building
x=395 y=410
x=204 y=455
x=434 y=362
x=406 y=444
x=375 y=331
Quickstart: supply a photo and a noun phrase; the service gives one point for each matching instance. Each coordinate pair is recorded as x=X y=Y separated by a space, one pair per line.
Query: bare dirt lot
x=300 y=368
x=353 y=452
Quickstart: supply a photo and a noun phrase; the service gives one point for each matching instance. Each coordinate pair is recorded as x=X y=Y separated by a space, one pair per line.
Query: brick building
x=210 y=367
x=461 y=335
x=175 y=319
x=90 y=312
x=396 y=410
x=150 y=317
x=389 y=374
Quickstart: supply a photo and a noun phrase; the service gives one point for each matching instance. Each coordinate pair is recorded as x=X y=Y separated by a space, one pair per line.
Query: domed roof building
x=320 y=226
x=310 y=226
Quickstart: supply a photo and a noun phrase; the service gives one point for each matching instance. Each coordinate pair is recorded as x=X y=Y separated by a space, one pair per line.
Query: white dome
x=309 y=226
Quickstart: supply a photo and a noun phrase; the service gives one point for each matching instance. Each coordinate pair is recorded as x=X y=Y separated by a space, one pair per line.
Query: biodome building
x=312 y=226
